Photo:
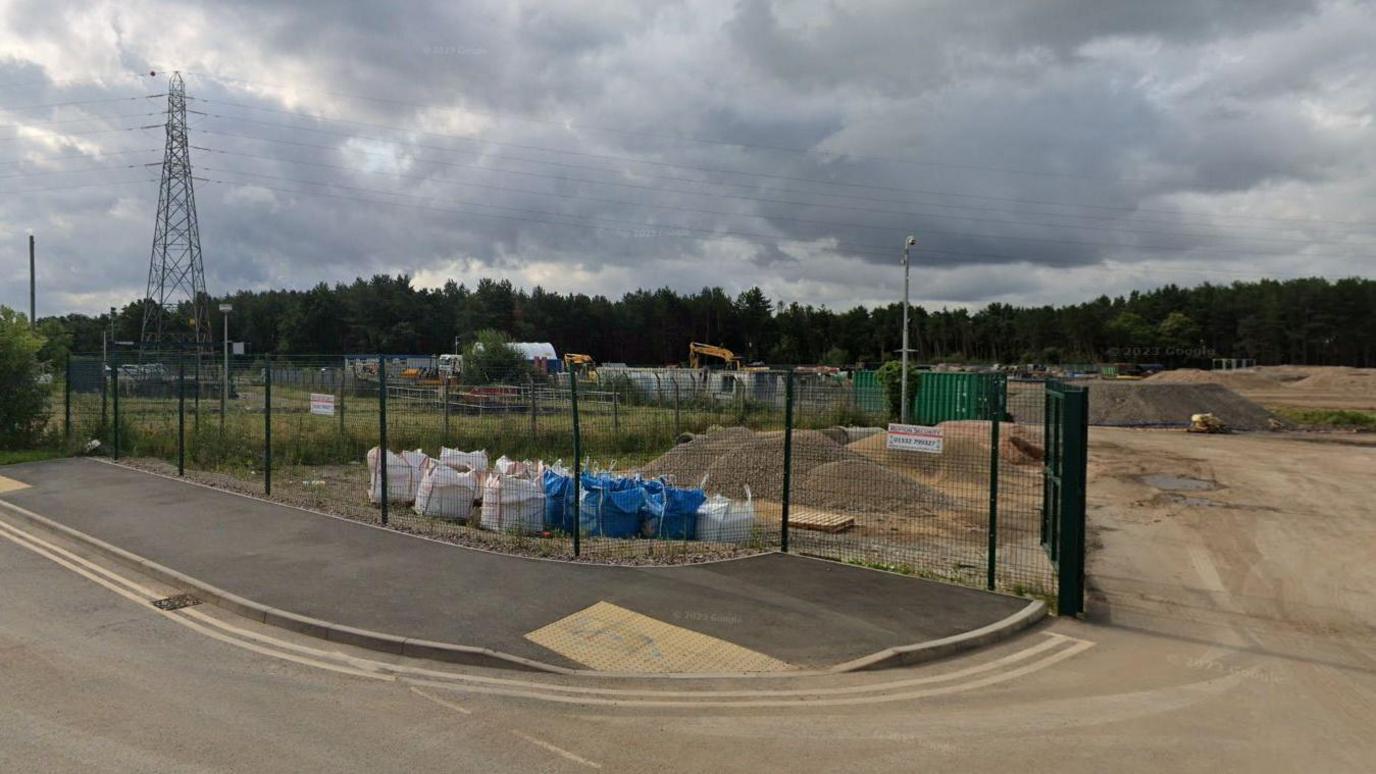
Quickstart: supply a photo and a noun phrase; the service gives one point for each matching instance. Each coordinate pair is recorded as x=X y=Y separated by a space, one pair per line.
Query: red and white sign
x=916 y=438
x=322 y=404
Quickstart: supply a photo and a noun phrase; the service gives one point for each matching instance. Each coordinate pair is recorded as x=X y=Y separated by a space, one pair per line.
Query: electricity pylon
x=174 y=311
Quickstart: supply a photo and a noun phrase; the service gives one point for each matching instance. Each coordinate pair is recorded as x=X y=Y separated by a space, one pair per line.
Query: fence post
x=67 y=403
x=995 y=405
x=382 y=431
x=104 y=397
x=1070 y=557
x=788 y=460
x=181 y=417
x=616 y=412
x=196 y=398
x=114 y=399
x=577 y=464
x=530 y=382
x=343 y=376
x=267 y=427
x=678 y=426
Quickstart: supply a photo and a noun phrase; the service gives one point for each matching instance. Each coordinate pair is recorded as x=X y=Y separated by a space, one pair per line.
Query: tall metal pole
x=903 y=380
x=224 y=386
x=33 y=308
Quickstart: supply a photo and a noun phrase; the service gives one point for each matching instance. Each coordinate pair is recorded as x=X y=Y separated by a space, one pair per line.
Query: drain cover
x=176 y=602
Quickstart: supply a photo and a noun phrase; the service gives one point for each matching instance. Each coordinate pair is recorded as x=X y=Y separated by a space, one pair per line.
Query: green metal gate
x=1063 y=500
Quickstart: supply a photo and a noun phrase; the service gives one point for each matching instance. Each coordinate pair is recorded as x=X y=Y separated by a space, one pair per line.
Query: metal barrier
x=792 y=461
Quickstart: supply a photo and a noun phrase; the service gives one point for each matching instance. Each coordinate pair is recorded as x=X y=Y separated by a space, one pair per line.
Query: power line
x=83 y=185
x=104 y=168
x=724 y=214
x=642 y=203
x=28 y=124
x=831 y=155
x=80 y=156
x=65 y=135
x=664 y=232
x=718 y=170
x=79 y=102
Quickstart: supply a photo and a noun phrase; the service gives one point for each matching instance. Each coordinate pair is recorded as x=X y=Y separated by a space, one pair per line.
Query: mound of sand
x=826 y=474
x=859 y=485
x=1340 y=380
x=1168 y=404
x=965 y=452
x=1236 y=380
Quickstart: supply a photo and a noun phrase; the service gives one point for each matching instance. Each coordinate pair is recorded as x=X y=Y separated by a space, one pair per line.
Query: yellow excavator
x=696 y=350
x=583 y=365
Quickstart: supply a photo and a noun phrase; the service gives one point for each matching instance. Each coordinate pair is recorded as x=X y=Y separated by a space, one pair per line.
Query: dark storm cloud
x=1041 y=151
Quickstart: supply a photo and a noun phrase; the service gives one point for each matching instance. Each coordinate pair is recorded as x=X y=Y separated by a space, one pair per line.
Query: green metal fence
x=784 y=460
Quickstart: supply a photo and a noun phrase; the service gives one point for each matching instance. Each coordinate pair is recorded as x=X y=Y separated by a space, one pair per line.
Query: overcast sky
x=1042 y=152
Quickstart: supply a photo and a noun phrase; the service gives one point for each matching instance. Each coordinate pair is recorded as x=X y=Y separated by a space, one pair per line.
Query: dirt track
x=1280 y=527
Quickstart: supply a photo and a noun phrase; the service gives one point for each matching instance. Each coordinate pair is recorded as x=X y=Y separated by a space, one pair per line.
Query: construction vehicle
x=582 y=365
x=697 y=349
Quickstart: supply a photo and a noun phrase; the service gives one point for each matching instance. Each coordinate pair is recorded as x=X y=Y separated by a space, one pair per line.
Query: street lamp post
x=225 y=309
x=903 y=379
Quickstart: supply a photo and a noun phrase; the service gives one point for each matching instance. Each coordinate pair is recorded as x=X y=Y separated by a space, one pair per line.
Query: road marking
x=613 y=639
x=442 y=702
x=557 y=750
x=337 y=661
x=144 y=597
x=10 y=485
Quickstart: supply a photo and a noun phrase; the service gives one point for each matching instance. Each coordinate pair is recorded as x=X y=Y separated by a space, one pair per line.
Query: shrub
x=24 y=407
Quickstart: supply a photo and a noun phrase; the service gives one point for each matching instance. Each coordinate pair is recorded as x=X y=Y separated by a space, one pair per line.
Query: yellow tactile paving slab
x=10 y=485
x=614 y=639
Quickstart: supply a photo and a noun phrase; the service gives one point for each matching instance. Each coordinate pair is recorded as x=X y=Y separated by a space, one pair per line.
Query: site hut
x=540 y=355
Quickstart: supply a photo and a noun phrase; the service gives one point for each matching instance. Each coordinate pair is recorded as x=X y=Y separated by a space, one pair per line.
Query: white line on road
x=558 y=750
x=442 y=702
x=363 y=667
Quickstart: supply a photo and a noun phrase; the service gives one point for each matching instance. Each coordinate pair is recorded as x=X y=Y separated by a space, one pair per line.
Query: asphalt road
x=92 y=677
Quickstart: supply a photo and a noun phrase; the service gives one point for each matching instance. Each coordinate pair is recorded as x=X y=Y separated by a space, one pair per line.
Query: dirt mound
x=859 y=485
x=1167 y=404
x=1236 y=380
x=1340 y=379
x=965 y=450
x=758 y=464
x=826 y=474
x=687 y=463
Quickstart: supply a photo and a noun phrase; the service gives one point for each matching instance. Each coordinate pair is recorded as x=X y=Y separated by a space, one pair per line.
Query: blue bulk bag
x=673 y=511
x=611 y=507
x=558 y=500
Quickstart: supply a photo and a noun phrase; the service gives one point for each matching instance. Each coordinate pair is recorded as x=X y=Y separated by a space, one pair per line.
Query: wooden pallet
x=805 y=517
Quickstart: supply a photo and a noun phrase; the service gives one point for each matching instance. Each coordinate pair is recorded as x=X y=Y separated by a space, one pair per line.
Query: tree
x=891 y=376
x=24 y=408
x=492 y=359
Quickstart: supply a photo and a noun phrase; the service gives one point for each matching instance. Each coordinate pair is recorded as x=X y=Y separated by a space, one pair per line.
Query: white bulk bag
x=401 y=484
x=477 y=460
x=416 y=459
x=722 y=520
x=512 y=503
x=446 y=492
x=509 y=467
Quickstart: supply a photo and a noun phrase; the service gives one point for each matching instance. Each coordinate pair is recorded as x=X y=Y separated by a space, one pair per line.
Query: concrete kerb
x=485 y=657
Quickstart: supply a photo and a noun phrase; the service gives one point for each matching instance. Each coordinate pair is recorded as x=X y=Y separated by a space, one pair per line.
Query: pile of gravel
x=826 y=474
x=1170 y=404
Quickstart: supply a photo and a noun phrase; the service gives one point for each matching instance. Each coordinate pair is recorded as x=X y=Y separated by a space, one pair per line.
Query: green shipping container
x=869 y=393
x=941 y=397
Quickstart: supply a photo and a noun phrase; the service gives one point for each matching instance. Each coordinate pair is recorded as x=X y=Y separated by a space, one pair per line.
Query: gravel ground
x=340 y=490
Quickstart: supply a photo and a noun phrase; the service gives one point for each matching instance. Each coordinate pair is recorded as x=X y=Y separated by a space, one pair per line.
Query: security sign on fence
x=914 y=438
x=322 y=404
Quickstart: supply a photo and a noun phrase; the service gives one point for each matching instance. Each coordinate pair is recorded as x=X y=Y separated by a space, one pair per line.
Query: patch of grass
x=28 y=455
x=1337 y=419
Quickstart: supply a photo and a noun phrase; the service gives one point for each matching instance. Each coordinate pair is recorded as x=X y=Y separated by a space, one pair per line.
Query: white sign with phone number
x=916 y=438
x=322 y=404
